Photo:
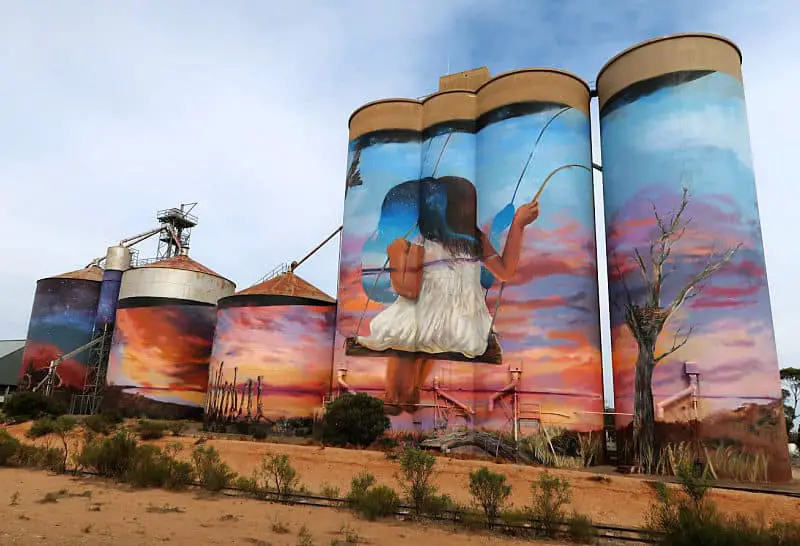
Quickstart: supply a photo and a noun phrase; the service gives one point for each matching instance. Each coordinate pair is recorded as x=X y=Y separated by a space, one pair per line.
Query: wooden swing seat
x=493 y=354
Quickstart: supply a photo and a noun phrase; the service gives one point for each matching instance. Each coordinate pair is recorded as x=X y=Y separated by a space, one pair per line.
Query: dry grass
x=721 y=463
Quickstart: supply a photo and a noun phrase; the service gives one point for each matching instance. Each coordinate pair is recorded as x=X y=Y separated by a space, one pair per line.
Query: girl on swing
x=440 y=305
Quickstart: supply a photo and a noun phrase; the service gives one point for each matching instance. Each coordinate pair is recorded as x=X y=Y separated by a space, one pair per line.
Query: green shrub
x=550 y=495
x=490 y=491
x=113 y=416
x=259 y=433
x=177 y=428
x=98 y=424
x=212 y=472
x=9 y=446
x=41 y=427
x=580 y=528
x=378 y=502
x=110 y=457
x=416 y=471
x=155 y=467
x=49 y=458
x=355 y=419
x=359 y=486
x=151 y=430
x=24 y=405
x=279 y=475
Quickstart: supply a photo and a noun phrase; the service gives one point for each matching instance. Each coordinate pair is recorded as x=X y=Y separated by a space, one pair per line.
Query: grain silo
x=62 y=319
x=534 y=148
x=162 y=339
x=385 y=153
x=457 y=304
x=694 y=354
x=118 y=260
x=272 y=352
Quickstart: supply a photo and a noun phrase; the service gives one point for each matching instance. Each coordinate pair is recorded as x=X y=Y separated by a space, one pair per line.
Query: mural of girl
x=440 y=311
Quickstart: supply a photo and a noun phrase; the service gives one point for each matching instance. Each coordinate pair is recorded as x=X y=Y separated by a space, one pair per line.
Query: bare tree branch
x=711 y=267
x=676 y=343
x=640 y=262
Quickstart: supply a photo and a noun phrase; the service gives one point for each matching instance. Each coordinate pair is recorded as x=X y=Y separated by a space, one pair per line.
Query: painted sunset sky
x=162 y=352
x=548 y=318
x=693 y=134
x=289 y=346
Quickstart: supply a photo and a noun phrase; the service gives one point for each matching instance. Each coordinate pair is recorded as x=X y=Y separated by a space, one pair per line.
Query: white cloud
x=708 y=126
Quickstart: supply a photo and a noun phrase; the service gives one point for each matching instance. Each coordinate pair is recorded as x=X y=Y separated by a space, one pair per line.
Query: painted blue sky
x=243 y=107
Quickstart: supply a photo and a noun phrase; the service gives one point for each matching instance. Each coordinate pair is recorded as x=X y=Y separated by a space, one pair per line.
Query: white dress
x=449 y=315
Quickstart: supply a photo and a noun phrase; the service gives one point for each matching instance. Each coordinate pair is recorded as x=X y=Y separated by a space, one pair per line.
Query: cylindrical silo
x=62 y=319
x=381 y=206
x=536 y=214
x=118 y=260
x=162 y=338
x=272 y=352
x=693 y=349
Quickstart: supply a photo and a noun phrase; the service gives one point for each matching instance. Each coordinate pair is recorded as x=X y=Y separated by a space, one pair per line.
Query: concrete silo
x=452 y=306
x=62 y=319
x=694 y=355
x=162 y=339
x=272 y=352
x=534 y=163
x=384 y=155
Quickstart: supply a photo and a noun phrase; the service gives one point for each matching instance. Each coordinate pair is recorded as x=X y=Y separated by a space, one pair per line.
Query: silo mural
x=536 y=207
x=158 y=364
x=272 y=352
x=465 y=281
x=693 y=349
x=62 y=319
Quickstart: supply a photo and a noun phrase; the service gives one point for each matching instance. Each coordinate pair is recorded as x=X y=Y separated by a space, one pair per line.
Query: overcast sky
x=112 y=110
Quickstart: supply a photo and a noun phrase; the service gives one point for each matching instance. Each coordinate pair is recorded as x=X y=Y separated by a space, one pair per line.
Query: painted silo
x=694 y=354
x=162 y=339
x=118 y=260
x=272 y=352
x=380 y=207
x=536 y=213
x=62 y=319
x=457 y=303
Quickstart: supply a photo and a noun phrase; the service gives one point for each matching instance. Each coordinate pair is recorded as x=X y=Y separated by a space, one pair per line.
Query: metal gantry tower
x=176 y=224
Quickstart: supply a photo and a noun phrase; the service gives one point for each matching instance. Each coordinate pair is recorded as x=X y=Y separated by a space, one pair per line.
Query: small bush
x=378 y=502
x=41 y=427
x=177 y=428
x=24 y=405
x=330 y=491
x=151 y=430
x=580 y=528
x=359 y=486
x=415 y=477
x=212 y=472
x=98 y=424
x=279 y=475
x=550 y=495
x=110 y=457
x=490 y=491
x=355 y=419
x=155 y=467
x=9 y=446
x=49 y=458
x=304 y=537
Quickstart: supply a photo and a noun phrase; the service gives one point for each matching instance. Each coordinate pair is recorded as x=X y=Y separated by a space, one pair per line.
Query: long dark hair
x=444 y=209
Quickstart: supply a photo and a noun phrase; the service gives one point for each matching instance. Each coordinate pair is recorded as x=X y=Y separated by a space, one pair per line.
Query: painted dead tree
x=647 y=317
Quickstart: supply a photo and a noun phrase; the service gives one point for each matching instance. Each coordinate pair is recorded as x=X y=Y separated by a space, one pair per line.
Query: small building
x=10 y=365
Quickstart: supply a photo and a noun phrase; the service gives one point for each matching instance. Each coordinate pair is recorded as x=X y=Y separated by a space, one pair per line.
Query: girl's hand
x=526 y=214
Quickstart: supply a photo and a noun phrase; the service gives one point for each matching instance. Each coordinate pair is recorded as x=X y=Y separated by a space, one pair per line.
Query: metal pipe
x=451 y=399
x=139 y=238
x=690 y=390
x=502 y=392
x=340 y=379
x=295 y=265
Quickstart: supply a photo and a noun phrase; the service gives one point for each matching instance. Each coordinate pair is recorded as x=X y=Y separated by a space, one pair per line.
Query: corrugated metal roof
x=287 y=284
x=185 y=263
x=10 y=360
x=91 y=273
